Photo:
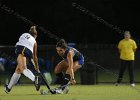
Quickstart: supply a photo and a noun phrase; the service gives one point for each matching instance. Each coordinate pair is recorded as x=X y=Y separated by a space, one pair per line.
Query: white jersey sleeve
x=27 y=41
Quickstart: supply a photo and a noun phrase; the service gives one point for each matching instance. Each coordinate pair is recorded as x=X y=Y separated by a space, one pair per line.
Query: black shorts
x=24 y=51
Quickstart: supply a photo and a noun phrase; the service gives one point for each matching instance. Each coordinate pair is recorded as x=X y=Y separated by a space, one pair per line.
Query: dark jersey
x=77 y=54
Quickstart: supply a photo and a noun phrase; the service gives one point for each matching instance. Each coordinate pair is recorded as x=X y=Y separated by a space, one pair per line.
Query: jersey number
x=27 y=36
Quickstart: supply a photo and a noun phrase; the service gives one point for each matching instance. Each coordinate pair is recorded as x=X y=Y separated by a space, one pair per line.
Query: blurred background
x=94 y=39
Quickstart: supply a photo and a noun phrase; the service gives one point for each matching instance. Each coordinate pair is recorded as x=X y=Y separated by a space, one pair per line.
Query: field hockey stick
x=46 y=83
x=44 y=79
x=55 y=89
x=62 y=86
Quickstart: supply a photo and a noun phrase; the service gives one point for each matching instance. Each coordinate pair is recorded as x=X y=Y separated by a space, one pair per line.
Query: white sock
x=29 y=74
x=14 y=80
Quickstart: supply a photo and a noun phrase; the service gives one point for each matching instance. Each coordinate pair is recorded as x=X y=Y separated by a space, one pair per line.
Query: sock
x=66 y=79
x=14 y=80
x=60 y=77
x=29 y=74
x=119 y=80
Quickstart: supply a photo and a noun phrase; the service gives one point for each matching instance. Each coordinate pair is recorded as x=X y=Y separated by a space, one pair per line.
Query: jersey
x=77 y=54
x=27 y=40
x=127 y=49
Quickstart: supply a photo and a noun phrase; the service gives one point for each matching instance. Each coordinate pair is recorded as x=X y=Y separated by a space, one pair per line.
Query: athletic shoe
x=133 y=85
x=44 y=92
x=37 y=83
x=6 y=89
x=65 y=89
x=59 y=91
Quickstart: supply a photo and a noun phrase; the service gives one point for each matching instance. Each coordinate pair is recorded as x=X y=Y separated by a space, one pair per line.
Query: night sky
x=61 y=19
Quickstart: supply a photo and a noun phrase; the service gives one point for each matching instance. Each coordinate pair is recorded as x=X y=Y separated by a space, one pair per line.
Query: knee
x=75 y=68
x=55 y=71
x=19 y=69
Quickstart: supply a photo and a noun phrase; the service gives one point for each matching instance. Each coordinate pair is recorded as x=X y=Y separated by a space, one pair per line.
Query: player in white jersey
x=26 y=49
x=26 y=40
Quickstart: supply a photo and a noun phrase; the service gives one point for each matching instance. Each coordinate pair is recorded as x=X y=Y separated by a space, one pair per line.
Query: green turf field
x=77 y=92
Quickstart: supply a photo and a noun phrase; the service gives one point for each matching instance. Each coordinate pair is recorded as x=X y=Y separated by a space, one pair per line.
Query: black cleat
x=116 y=84
x=6 y=89
x=37 y=83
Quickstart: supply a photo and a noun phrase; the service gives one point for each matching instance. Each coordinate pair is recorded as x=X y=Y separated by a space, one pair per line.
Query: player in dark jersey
x=72 y=61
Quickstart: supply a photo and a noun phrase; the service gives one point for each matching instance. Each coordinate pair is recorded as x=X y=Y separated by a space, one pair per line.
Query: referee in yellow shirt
x=127 y=48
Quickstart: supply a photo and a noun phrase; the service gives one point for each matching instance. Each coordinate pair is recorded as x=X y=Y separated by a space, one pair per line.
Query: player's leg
x=122 y=70
x=16 y=75
x=64 y=77
x=67 y=78
x=131 y=72
x=76 y=65
x=31 y=76
x=60 y=67
x=28 y=56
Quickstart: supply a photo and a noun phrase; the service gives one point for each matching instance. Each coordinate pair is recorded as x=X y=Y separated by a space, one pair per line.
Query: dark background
x=96 y=41
x=61 y=19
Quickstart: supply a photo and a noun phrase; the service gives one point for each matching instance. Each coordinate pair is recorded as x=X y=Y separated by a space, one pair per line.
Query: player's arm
x=134 y=46
x=70 y=66
x=119 y=50
x=35 y=59
x=119 y=47
x=134 y=50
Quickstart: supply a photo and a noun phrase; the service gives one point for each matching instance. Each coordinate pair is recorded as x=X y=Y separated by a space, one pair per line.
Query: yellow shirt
x=127 y=48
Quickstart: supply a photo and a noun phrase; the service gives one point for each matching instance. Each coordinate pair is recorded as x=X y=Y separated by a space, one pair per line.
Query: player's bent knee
x=19 y=69
x=56 y=70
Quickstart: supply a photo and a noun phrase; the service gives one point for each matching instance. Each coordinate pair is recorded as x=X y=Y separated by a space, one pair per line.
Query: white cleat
x=44 y=92
x=59 y=91
x=66 y=90
x=133 y=85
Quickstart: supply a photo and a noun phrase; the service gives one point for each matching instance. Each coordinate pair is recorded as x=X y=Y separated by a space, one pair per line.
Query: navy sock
x=66 y=79
x=59 y=78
